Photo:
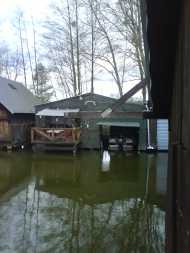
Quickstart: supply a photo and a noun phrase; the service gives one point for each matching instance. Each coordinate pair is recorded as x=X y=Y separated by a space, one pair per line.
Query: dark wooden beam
x=163 y=22
x=155 y=115
x=124 y=98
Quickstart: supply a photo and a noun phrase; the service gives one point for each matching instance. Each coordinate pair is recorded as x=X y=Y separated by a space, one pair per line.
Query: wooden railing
x=55 y=135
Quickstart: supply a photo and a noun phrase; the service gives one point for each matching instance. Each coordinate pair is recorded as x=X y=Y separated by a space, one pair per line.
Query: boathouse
x=168 y=30
x=16 y=113
x=84 y=112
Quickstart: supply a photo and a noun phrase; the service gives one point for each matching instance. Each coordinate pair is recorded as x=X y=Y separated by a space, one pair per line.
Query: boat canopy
x=119 y=124
x=56 y=112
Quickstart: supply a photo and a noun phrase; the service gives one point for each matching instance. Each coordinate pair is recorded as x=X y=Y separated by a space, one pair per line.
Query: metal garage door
x=162 y=134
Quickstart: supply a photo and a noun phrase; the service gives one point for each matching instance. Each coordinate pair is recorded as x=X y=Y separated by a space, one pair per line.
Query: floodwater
x=104 y=203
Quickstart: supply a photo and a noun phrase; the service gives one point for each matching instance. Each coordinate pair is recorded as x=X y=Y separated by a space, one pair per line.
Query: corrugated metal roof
x=56 y=112
x=119 y=123
x=16 y=98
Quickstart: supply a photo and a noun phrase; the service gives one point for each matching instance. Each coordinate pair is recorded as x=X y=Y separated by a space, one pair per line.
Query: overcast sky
x=38 y=9
x=35 y=8
x=31 y=7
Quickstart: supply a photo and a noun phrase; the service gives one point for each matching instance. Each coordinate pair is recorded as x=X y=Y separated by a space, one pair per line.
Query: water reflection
x=13 y=171
x=105 y=161
x=87 y=203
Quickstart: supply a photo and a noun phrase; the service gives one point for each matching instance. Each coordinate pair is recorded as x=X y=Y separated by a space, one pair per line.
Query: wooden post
x=178 y=210
x=53 y=133
x=32 y=135
x=124 y=98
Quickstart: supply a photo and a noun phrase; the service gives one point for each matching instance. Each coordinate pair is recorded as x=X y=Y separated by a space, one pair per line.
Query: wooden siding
x=5 y=131
x=90 y=133
x=90 y=136
x=90 y=115
x=178 y=218
x=3 y=114
x=118 y=114
x=15 y=128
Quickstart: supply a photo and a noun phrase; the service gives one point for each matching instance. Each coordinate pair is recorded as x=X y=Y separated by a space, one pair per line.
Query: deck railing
x=55 y=135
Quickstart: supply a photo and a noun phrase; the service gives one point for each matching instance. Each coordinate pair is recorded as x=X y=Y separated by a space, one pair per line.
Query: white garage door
x=162 y=134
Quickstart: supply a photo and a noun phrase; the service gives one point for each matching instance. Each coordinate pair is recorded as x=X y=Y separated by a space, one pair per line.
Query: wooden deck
x=55 y=139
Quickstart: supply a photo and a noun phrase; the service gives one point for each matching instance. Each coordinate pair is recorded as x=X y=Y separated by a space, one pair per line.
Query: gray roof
x=89 y=102
x=16 y=98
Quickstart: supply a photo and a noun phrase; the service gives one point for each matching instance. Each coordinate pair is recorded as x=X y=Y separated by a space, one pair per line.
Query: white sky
x=38 y=9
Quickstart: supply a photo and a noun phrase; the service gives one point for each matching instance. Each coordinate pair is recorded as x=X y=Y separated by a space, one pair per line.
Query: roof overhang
x=119 y=124
x=162 y=32
x=56 y=112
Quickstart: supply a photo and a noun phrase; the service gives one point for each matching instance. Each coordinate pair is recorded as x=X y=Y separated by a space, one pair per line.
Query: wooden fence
x=55 y=135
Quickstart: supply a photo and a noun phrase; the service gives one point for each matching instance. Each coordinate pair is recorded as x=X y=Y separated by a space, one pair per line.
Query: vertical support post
x=32 y=135
x=143 y=8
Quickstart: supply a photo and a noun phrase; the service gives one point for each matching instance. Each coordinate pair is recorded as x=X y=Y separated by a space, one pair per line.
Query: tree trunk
x=35 y=58
x=115 y=68
x=72 y=50
x=22 y=50
x=77 y=48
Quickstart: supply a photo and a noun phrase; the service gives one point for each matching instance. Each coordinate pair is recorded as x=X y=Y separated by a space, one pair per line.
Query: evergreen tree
x=43 y=89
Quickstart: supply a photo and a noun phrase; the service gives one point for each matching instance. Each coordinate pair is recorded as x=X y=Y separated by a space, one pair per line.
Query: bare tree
x=45 y=90
x=110 y=47
x=30 y=62
x=36 y=83
x=107 y=39
x=77 y=47
x=92 y=9
x=64 y=41
x=126 y=19
x=20 y=31
x=10 y=62
x=72 y=49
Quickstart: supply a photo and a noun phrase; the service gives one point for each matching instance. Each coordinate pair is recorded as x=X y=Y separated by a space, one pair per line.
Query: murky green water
x=88 y=203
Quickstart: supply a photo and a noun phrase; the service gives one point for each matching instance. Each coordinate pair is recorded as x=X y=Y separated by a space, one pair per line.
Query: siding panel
x=162 y=134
